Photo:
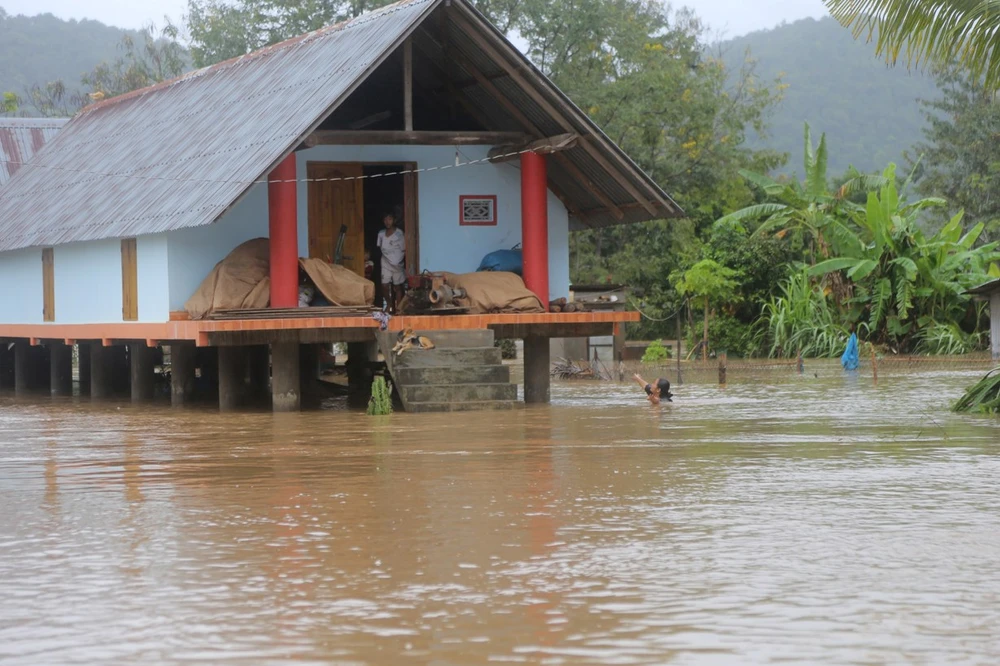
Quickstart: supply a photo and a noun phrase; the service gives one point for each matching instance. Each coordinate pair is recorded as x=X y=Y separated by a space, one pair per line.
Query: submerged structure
x=990 y=292
x=422 y=108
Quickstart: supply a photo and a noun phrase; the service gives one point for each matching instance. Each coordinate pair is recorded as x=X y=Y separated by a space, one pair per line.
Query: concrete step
x=468 y=374
x=474 y=337
x=458 y=393
x=455 y=356
x=468 y=406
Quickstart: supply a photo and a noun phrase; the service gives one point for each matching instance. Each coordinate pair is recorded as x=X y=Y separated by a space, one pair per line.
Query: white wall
x=193 y=253
x=444 y=245
x=152 y=272
x=21 y=298
x=171 y=266
x=88 y=281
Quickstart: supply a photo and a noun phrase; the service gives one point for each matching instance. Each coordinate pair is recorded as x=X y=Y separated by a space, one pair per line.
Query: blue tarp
x=509 y=261
x=850 y=358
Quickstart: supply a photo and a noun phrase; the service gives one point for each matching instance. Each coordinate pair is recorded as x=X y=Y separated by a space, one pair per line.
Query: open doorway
x=352 y=198
x=383 y=194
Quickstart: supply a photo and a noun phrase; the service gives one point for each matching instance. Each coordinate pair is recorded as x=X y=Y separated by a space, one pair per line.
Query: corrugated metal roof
x=986 y=289
x=593 y=212
x=21 y=138
x=181 y=153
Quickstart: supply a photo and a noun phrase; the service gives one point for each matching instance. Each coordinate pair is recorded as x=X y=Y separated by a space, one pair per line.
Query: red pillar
x=283 y=211
x=535 y=225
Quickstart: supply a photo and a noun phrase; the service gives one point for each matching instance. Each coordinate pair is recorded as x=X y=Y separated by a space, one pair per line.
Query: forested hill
x=40 y=49
x=868 y=111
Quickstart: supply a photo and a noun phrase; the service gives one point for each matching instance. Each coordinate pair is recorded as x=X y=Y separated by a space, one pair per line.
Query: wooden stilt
x=537 y=369
x=232 y=373
x=60 y=369
x=182 y=373
x=141 y=360
x=285 y=381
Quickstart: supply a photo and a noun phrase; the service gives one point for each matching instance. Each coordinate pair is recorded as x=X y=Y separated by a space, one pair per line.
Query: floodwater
x=794 y=520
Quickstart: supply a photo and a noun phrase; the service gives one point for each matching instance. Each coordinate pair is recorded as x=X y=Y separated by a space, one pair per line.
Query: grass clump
x=381 y=400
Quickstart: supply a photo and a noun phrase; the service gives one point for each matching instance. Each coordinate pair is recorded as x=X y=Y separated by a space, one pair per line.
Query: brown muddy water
x=803 y=520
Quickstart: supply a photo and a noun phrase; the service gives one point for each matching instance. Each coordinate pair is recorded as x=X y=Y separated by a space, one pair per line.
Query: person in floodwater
x=657 y=392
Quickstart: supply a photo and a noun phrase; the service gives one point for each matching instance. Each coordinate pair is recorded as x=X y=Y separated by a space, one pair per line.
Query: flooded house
x=422 y=108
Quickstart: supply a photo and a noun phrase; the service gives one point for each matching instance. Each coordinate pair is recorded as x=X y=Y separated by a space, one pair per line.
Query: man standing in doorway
x=392 y=243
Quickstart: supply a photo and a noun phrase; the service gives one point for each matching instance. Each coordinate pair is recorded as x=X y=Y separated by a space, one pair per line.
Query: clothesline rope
x=262 y=181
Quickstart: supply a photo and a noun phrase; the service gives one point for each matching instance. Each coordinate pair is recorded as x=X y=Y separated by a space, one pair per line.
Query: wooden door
x=130 y=281
x=48 y=286
x=336 y=203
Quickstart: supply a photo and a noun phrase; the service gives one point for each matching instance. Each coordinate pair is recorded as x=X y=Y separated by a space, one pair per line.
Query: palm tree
x=939 y=31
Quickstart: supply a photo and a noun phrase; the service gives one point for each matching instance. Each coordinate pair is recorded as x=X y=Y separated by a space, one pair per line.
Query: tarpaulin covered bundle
x=242 y=281
x=494 y=292
x=509 y=261
x=340 y=286
x=850 y=358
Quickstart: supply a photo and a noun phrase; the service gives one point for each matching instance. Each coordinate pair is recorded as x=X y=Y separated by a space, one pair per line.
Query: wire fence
x=724 y=370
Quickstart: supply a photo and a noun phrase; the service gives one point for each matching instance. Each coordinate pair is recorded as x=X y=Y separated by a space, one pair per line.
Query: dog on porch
x=407 y=339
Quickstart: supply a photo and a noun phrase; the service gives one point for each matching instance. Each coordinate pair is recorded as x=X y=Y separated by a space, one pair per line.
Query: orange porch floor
x=198 y=331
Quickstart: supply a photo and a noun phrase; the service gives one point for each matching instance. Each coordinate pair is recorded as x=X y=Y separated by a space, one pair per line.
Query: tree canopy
x=960 y=156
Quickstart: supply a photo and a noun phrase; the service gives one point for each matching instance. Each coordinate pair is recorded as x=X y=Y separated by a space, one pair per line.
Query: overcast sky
x=728 y=17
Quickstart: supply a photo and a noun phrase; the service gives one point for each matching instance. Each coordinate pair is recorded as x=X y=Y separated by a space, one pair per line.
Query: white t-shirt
x=393 y=247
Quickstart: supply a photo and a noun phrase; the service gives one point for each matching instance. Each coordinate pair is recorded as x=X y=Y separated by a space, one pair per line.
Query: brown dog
x=407 y=339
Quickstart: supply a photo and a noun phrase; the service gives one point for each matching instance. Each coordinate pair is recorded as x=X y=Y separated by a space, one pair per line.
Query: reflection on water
x=807 y=520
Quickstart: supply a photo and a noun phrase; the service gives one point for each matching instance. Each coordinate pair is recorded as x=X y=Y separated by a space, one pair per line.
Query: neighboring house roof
x=21 y=138
x=986 y=289
x=181 y=153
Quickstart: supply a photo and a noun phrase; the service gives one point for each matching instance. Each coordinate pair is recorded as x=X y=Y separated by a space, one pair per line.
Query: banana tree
x=904 y=282
x=808 y=209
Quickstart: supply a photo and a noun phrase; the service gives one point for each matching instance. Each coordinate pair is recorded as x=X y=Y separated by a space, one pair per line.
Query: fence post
x=679 y=379
x=722 y=368
x=874 y=366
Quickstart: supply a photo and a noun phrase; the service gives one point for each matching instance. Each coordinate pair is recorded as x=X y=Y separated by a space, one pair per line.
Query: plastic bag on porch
x=509 y=261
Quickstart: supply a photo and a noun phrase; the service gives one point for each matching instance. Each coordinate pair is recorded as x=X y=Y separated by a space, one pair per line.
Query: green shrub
x=381 y=400
x=508 y=348
x=728 y=334
x=655 y=353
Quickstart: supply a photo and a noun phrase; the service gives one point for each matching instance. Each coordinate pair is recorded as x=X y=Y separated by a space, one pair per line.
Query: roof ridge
x=40 y=123
x=263 y=52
